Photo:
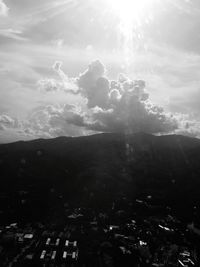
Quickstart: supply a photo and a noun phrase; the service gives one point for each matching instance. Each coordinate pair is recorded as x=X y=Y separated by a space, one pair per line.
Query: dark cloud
x=73 y=116
x=131 y=116
x=94 y=85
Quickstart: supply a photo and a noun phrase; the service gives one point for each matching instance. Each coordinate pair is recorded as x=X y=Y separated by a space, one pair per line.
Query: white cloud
x=188 y=125
x=51 y=121
x=112 y=106
x=93 y=103
x=8 y=122
x=3 y=9
x=121 y=106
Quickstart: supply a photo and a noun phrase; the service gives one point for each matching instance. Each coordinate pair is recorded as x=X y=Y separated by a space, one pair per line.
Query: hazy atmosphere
x=72 y=68
x=99 y=133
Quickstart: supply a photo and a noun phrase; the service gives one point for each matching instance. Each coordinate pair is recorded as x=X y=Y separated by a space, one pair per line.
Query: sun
x=132 y=11
x=132 y=16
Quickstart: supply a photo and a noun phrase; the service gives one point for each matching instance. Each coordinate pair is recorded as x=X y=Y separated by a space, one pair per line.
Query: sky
x=72 y=67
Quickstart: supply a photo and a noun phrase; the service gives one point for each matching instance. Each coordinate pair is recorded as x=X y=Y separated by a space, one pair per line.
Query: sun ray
x=132 y=15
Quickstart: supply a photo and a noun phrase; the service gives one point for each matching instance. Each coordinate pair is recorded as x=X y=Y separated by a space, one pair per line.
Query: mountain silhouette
x=104 y=166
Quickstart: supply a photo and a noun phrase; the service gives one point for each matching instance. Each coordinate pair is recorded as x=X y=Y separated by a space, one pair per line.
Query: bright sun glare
x=132 y=14
x=132 y=11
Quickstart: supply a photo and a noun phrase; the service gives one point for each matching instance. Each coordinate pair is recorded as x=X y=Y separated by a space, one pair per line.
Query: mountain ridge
x=105 y=165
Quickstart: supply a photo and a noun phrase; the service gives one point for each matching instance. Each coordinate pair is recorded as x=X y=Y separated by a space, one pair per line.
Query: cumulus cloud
x=52 y=121
x=3 y=9
x=121 y=105
x=46 y=121
x=57 y=67
x=188 y=125
x=49 y=85
x=94 y=86
x=66 y=84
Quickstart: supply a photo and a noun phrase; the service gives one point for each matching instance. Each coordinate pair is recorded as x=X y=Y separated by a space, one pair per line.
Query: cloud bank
x=115 y=106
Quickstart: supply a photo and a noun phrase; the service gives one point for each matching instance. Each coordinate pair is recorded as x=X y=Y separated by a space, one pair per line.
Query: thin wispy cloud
x=41 y=13
x=12 y=34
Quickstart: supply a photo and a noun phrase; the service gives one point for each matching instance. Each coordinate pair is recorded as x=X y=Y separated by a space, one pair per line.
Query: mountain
x=104 y=166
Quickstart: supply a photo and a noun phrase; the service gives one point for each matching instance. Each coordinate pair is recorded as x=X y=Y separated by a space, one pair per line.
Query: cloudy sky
x=72 y=67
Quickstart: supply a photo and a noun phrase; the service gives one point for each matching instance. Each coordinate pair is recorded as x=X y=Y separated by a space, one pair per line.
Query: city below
x=127 y=233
